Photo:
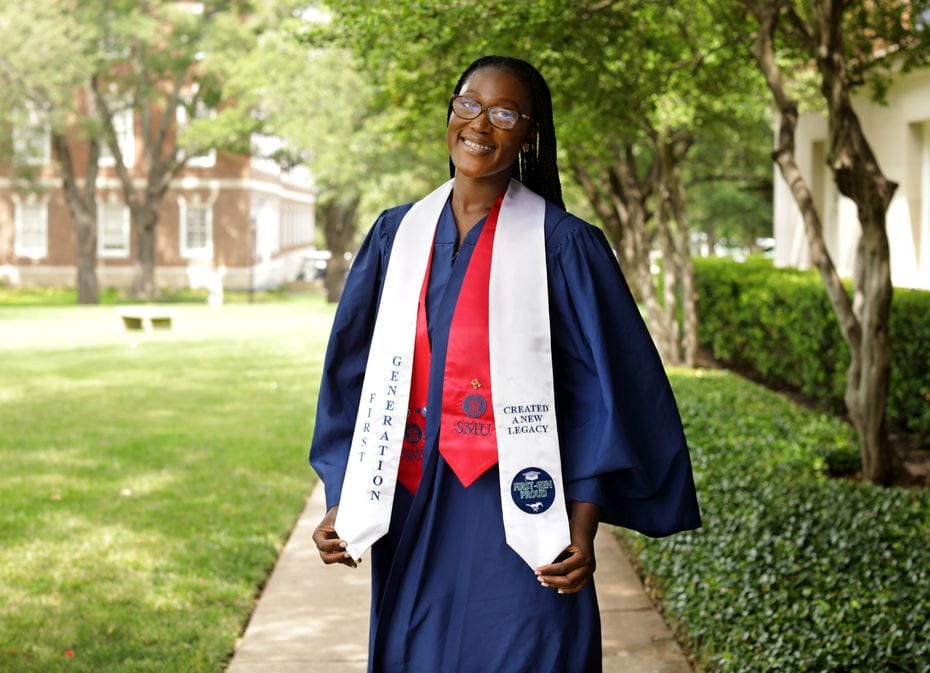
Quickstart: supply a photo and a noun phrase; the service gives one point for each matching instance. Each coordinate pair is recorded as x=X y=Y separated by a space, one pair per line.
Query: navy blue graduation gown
x=448 y=594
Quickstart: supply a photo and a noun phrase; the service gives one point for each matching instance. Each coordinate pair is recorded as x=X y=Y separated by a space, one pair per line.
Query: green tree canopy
x=636 y=86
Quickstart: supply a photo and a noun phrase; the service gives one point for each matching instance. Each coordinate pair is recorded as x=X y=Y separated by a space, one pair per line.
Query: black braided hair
x=537 y=167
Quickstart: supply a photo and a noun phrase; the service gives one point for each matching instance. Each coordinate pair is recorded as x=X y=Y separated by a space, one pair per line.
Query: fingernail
x=347 y=555
x=538 y=573
x=561 y=592
x=343 y=545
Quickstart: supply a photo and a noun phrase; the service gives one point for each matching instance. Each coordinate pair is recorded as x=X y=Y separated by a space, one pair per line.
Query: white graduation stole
x=531 y=488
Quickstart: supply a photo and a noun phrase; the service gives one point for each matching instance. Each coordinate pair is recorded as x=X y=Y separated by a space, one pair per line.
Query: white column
x=924 y=259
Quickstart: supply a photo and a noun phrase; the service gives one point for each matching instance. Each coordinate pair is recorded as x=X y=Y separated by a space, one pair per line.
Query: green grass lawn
x=148 y=480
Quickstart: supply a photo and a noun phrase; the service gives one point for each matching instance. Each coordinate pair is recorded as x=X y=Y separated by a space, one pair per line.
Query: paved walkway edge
x=313 y=618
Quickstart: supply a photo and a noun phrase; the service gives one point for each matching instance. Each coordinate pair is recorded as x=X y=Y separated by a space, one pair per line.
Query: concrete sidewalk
x=313 y=618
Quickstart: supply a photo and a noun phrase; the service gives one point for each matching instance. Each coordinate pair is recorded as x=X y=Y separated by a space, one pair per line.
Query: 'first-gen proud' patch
x=533 y=490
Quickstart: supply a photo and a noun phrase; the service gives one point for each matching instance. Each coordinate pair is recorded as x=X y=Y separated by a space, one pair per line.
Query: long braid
x=536 y=168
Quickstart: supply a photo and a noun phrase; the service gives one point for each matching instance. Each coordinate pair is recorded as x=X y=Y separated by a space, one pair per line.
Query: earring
x=527 y=147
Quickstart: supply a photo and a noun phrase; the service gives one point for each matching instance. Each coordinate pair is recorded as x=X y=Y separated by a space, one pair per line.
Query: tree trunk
x=869 y=371
x=863 y=323
x=669 y=288
x=82 y=205
x=859 y=177
x=339 y=231
x=673 y=191
x=621 y=201
x=85 y=224
x=612 y=214
x=635 y=193
x=144 y=219
x=689 y=311
x=335 y=278
x=161 y=160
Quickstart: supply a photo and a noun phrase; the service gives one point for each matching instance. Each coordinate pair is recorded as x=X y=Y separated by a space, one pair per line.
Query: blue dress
x=448 y=594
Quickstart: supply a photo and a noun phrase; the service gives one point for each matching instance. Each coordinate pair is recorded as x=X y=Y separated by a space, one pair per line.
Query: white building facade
x=899 y=134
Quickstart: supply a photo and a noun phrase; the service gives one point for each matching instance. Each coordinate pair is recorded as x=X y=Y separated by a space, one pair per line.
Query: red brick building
x=235 y=219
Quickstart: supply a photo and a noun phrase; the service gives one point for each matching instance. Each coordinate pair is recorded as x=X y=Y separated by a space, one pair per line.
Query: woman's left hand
x=573 y=573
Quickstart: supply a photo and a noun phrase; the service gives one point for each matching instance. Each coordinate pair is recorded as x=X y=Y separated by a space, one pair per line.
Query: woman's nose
x=481 y=122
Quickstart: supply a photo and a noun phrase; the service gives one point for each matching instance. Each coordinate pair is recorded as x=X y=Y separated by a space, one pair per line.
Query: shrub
x=779 y=324
x=792 y=571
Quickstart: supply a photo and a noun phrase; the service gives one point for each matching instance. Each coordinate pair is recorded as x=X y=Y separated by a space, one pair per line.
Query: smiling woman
x=490 y=393
x=479 y=147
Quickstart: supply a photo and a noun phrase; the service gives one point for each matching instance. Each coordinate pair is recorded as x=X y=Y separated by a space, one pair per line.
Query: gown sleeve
x=623 y=445
x=345 y=362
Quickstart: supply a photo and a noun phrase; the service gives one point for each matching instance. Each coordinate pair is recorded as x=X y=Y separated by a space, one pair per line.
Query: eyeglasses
x=499 y=116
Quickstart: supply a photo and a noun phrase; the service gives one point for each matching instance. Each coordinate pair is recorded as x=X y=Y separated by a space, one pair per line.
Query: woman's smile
x=478 y=147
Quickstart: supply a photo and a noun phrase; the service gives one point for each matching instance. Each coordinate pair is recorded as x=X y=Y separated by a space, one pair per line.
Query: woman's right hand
x=332 y=549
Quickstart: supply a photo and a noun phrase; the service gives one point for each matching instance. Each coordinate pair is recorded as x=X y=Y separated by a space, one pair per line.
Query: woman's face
x=478 y=149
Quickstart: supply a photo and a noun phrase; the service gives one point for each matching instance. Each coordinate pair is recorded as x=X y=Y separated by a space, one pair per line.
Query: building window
x=112 y=230
x=284 y=224
x=125 y=136
x=296 y=226
x=31 y=229
x=196 y=229
x=32 y=143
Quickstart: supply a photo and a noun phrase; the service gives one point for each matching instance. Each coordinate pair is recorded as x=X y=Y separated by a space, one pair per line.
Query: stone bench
x=145 y=317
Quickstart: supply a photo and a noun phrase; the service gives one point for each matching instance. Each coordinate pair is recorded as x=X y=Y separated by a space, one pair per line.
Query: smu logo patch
x=474 y=406
x=413 y=434
x=533 y=490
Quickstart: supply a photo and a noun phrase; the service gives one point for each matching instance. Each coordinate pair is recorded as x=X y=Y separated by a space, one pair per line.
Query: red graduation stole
x=467 y=435
x=411 y=454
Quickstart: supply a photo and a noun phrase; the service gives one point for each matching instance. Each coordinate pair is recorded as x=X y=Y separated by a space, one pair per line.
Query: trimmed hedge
x=779 y=323
x=792 y=571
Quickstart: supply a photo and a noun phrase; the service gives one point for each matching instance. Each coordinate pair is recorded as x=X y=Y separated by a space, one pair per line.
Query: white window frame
x=125 y=136
x=284 y=225
x=24 y=136
x=112 y=253
x=206 y=252
x=33 y=251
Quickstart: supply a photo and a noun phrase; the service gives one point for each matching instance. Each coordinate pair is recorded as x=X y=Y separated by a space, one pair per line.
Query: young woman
x=490 y=393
